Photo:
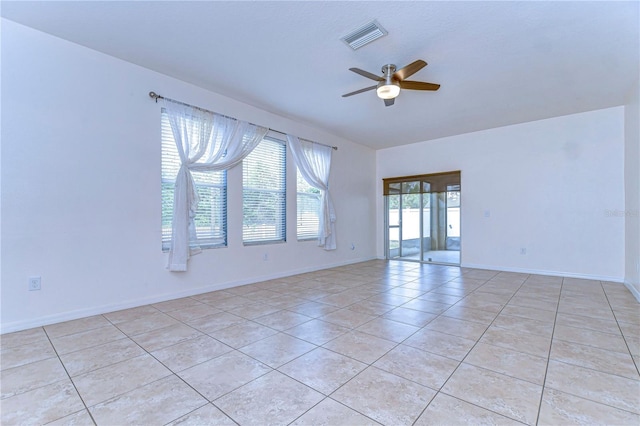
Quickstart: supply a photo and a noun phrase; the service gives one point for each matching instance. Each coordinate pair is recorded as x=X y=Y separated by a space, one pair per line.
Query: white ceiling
x=499 y=63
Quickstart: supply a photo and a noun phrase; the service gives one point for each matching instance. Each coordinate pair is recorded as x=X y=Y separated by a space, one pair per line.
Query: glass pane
x=394 y=212
x=453 y=199
x=411 y=187
x=210 y=220
x=394 y=242
x=263 y=196
x=426 y=220
x=426 y=225
x=308 y=209
x=167 y=212
x=411 y=224
x=263 y=216
x=453 y=221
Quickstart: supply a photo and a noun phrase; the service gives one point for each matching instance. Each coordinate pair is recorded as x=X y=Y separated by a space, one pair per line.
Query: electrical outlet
x=35 y=283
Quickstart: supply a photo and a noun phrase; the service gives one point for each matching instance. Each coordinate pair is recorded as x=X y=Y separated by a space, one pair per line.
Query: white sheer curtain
x=205 y=142
x=314 y=162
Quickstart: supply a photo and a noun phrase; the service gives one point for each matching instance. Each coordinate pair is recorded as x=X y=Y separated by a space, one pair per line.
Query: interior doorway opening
x=422 y=218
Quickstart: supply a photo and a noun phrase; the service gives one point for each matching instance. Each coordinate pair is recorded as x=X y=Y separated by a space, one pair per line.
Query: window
x=308 y=210
x=211 y=217
x=263 y=193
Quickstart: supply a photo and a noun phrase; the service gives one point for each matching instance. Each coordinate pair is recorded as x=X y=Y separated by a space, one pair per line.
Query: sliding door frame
x=428 y=185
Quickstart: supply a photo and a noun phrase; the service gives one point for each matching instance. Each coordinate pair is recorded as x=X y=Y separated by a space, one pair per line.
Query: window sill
x=203 y=247
x=262 y=243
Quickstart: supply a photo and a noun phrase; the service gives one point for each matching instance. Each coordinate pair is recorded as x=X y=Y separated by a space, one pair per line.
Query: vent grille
x=364 y=35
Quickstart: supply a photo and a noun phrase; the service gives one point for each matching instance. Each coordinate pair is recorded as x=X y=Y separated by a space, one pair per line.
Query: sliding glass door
x=404 y=223
x=423 y=218
x=442 y=243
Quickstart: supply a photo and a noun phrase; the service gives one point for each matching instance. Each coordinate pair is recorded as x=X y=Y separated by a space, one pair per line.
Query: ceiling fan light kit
x=388 y=88
x=391 y=81
x=388 y=91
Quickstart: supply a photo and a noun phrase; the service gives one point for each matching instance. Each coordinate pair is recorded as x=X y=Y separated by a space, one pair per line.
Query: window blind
x=211 y=216
x=308 y=209
x=263 y=195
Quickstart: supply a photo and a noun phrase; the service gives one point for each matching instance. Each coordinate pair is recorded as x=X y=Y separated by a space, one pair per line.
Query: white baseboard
x=545 y=272
x=103 y=309
x=633 y=290
x=538 y=272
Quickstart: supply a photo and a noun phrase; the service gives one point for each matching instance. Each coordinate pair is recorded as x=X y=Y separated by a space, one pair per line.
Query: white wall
x=632 y=193
x=548 y=186
x=81 y=188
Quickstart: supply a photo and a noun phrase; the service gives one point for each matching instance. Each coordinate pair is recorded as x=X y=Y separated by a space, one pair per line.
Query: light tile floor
x=451 y=257
x=373 y=343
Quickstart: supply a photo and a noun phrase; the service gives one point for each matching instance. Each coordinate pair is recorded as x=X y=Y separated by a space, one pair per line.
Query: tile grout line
x=546 y=370
x=587 y=368
x=471 y=349
x=325 y=396
x=70 y=380
x=368 y=365
x=172 y=373
x=175 y=373
x=234 y=349
x=370 y=278
x=620 y=328
x=272 y=369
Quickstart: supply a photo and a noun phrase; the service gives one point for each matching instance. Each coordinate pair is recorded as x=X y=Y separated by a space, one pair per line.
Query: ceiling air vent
x=364 y=35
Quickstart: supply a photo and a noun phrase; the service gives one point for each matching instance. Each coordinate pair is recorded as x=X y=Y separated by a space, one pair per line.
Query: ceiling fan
x=389 y=85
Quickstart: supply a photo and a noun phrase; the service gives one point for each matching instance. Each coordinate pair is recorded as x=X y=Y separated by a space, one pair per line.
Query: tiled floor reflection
x=372 y=343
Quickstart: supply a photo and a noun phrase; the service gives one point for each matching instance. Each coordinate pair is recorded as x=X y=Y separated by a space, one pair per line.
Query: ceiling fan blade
x=366 y=89
x=410 y=69
x=366 y=74
x=389 y=102
x=418 y=85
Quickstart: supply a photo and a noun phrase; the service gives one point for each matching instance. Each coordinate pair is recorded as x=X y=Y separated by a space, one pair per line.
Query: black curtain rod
x=155 y=96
